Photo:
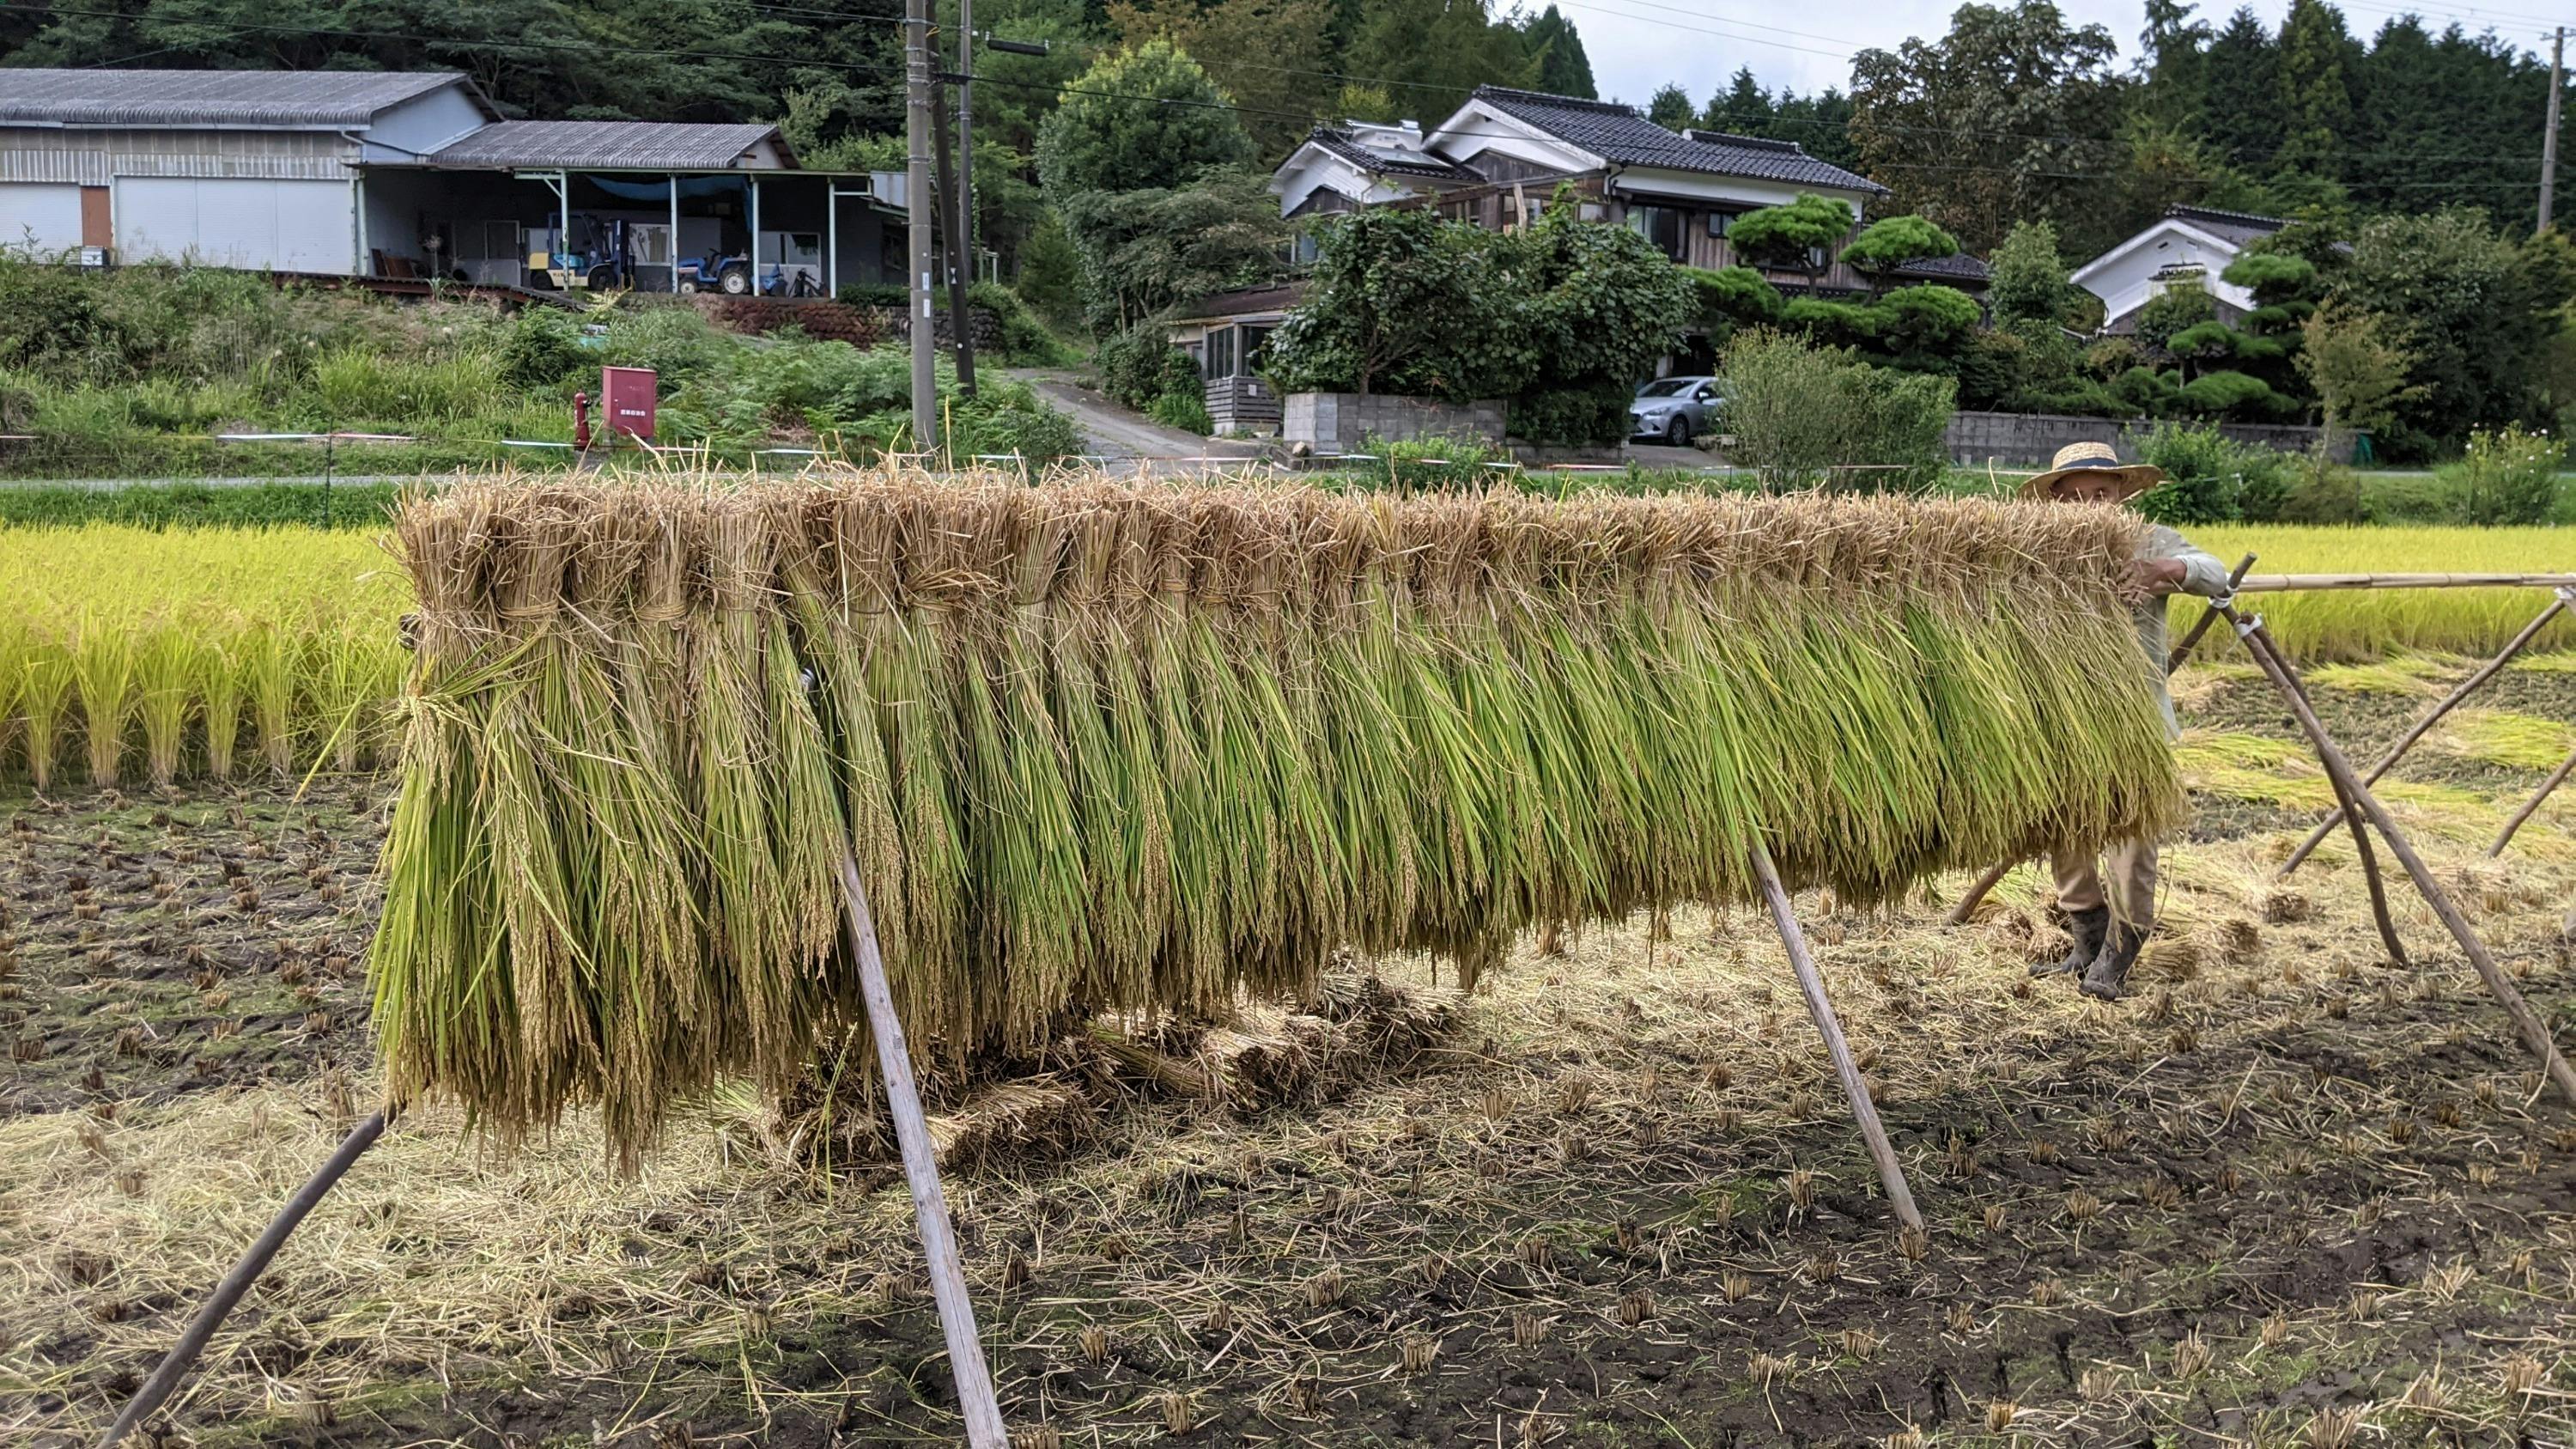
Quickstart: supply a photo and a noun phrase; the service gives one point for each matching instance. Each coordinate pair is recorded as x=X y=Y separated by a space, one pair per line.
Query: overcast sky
x=1638 y=45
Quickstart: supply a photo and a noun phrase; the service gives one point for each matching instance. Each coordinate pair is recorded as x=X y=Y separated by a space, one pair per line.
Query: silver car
x=1673 y=410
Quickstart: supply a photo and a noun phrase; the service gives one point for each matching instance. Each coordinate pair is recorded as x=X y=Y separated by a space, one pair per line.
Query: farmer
x=2110 y=930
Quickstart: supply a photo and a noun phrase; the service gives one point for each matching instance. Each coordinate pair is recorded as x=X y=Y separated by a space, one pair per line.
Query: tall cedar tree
x=1563 y=68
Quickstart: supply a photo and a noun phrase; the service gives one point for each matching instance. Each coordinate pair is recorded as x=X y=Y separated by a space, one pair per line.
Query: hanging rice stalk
x=1104 y=746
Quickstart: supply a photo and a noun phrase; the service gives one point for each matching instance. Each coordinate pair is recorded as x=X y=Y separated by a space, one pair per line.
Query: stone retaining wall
x=2032 y=439
x=1337 y=422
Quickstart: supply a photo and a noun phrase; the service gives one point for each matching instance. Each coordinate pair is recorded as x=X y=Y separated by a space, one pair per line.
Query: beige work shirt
x=2203 y=576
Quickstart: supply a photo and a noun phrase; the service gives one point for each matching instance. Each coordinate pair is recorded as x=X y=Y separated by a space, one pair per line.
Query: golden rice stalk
x=1098 y=746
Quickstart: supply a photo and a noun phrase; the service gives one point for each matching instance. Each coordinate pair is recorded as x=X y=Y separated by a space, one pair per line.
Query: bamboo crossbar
x=2332 y=583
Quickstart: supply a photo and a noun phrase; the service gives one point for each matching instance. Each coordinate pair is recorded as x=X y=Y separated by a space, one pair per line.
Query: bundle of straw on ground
x=1141 y=747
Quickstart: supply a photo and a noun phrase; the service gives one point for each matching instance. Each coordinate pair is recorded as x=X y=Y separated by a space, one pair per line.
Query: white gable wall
x=1312 y=169
x=1478 y=128
x=2125 y=276
x=422 y=124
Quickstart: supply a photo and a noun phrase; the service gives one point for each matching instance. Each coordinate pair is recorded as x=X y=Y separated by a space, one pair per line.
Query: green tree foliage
x=1279 y=103
x=2506 y=477
x=1150 y=172
x=1795 y=234
x=2008 y=117
x=1148 y=251
x=1144 y=118
x=2359 y=364
x=1893 y=241
x=1399 y=301
x=2317 y=60
x=2180 y=306
x=1428 y=54
x=1806 y=416
x=1744 y=108
x=1561 y=318
x=2027 y=279
x=1563 y=68
x=1050 y=274
x=2476 y=307
x=1672 y=108
x=1731 y=298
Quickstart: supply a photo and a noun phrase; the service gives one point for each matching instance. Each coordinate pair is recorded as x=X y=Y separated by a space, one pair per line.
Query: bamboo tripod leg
x=1812 y=985
x=983 y=1413
x=1977 y=893
x=228 y=1293
x=2433 y=716
x=2388 y=938
x=2531 y=806
x=2535 y=1033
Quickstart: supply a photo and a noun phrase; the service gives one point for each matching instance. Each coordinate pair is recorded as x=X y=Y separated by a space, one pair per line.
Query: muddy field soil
x=2288 y=1193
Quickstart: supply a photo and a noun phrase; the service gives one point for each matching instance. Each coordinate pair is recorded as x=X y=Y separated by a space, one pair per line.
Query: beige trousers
x=2131 y=877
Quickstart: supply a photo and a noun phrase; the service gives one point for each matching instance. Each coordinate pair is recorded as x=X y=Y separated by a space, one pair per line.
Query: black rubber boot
x=2108 y=977
x=2087 y=927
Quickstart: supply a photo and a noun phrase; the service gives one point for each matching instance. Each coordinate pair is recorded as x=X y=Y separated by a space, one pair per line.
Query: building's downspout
x=357 y=205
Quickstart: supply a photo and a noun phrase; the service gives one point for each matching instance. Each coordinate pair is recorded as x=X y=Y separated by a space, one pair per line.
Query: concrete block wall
x=2032 y=439
x=1337 y=422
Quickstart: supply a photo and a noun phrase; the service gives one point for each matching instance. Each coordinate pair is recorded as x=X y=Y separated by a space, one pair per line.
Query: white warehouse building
x=414 y=175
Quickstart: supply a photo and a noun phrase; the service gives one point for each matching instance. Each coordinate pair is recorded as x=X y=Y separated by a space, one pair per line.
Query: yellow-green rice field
x=213 y=651
x=2355 y=626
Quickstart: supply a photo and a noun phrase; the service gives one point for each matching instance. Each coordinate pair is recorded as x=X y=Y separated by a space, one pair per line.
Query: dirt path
x=1126 y=440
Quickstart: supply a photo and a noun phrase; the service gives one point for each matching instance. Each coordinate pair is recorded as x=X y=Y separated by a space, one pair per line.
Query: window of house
x=1255 y=340
x=1661 y=225
x=1590 y=211
x=1720 y=223
x=1220 y=353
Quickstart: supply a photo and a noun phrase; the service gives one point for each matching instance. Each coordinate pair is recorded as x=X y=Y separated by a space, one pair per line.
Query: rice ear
x=1105 y=746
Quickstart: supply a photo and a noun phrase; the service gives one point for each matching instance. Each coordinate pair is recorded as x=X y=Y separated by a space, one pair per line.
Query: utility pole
x=964 y=253
x=2549 y=138
x=918 y=119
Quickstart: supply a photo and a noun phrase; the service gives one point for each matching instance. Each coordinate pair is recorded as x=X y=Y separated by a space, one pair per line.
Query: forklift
x=604 y=263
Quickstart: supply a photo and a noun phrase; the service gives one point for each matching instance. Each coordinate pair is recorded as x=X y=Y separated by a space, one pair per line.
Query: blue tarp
x=661 y=190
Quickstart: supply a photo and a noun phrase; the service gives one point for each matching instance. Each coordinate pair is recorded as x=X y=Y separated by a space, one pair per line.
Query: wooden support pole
x=2535 y=1033
x=228 y=1293
x=1812 y=985
x=2431 y=717
x=2556 y=778
x=2387 y=925
x=983 y=1413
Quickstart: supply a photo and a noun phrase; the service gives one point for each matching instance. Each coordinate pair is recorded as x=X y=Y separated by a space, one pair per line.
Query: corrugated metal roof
x=208 y=97
x=606 y=145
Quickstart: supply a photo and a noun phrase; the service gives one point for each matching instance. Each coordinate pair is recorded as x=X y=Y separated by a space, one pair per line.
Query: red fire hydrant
x=581 y=421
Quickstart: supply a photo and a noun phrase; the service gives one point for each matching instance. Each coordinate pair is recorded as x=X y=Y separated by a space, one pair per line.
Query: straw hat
x=2135 y=478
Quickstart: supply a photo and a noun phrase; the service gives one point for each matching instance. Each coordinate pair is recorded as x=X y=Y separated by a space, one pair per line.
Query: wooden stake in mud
x=1985 y=884
x=2431 y=717
x=921 y=1172
x=2535 y=1033
x=2531 y=806
x=1821 y=1007
x=174 y=1365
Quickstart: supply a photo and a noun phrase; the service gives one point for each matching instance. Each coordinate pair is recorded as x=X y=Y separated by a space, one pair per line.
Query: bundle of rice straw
x=1106 y=745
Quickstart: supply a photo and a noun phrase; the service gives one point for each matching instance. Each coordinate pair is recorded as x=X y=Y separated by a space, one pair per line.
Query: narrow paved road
x=1127 y=440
